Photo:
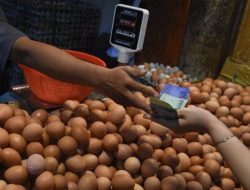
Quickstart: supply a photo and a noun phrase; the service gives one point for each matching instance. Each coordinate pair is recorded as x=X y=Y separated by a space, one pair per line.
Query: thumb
x=135 y=72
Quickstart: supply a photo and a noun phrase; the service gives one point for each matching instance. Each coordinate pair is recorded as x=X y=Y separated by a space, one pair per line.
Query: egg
x=11 y=187
x=103 y=171
x=117 y=114
x=171 y=160
x=103 y=183
x=16 y=175
x=4 y=138
x=98 y=115
x=81 y=111
x=169 y=183
x=40 y=114
x=67 y=145
x=227 y=184
x=194 y=185
x=122 y=182
x=110 y=142
x=132 y=111
x=61 y=168
x=188 y=176
x=6 y=112
x=123 y=152
x=132 y=165
x=139 y=120
x=158 y=129
x=195 y=169
x=51 y=165
x=65 y=115
x=10 y=157
x=33 y=132
x=96 y=104
x=180 y=145
x=194 y=149
x=80 y=134
x=145 y=151
x=98 y=129
x=35 y=164
x=105 y=158
x=91 y=161
x=196 y=97
x=45 y=181
x=185 y=161
x=204 y=179
x=222 y=85
x=18 y=143
x=152 y=183
x=195 y=160
x=15 y=124
x=75 y=163
x=212 y=167
x=52 y=151
x=164 y=171
x=95 y=146
x=72 y=185
x=181 y=182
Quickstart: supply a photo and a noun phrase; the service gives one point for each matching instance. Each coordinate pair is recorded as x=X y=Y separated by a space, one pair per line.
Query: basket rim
x=80 y=55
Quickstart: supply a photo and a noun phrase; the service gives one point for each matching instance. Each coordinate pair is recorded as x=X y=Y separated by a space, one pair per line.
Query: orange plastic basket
x=54 y=91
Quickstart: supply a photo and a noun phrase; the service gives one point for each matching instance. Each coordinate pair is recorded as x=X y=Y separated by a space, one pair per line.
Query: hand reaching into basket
x=118 y=85
x=115 y=83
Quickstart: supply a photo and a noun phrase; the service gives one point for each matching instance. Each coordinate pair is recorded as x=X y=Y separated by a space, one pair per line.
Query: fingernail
x=146 y=116
x=156 y=95
x=143 y=71
x=150 y=112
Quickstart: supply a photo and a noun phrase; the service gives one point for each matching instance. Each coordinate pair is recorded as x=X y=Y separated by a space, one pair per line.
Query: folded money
x=171 y=99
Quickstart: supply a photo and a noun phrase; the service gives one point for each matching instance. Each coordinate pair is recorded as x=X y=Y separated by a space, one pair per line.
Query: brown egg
x=15 y=124
x=152 y=183
x=72 y=185
x=236 y=131
x=81 y=111
x=204 y=179
x=127 y=122
x=158 y=129
x=60 y=182
x=139 y=120
x=111 y=128
x=196 y=97
x=222 y=111
x=207 y=149
x=188 y=176
x=98 y=129
x=141 y=130
x=149 y=167
x=195 y=160
x=222 y=85
x=119 y=137
x=52 y=151
x=96 y=104
x=67 y=145
x=208 y=139
x=76 y=121
x=122 y=182
x=227 y=173
x=209 y=156
x=246 y=139
x=6 y=112
x=132 y=111
x=69 y=105
x=181 y=182
x=11 y=187
x=246 y=100
x=180 y=145
x=185 y=161
x=168 y=183
x=171 y=160
x=18 y=143
x=107 y=102
x=10 y=157
x=195 y=169
x=145 y=139
x=34 y=148
x=65 y=115
x=103 y=171
x=236 y=112
x=33 y=132
x=4 y=138
x=61 y=168
x=123 y=152
x=145 y=151
x=95 y=146
x=164 y=171
x=129 y=133
x=212 y=167
x=71 y=177
x=132 y=165
x=55 y=129
x=166 y=141
x=104 y=183
x=45 y=181
x=117 y=114
x=75 y=163
x=246 y=109
x=51 y=165
x=205 y=88
x=191 y=136
x=40 y=114
x=185 y=84
x=98 y=115
x=16 y=175
x=212 y=106
x=227 y=184
x=80 y=134
x=91 y=161
x=246 y=118
x=194 y=185
x=110 y=142
x=194 y=149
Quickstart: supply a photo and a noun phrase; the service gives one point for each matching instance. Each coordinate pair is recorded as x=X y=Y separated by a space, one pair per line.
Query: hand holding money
x=172 y=98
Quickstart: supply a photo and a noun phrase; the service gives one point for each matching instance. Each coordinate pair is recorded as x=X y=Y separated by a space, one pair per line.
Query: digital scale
x=128 y=30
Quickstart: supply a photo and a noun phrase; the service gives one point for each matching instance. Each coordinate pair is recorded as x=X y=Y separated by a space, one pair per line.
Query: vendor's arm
x=115 y=83
x=234 y=152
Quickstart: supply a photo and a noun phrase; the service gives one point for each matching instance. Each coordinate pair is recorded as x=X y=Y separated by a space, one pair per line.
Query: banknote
x=171 y=99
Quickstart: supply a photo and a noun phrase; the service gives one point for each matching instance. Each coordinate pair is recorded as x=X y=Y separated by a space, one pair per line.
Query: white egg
x=141 y=67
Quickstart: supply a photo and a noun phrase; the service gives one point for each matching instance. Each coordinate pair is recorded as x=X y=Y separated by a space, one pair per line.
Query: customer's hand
x=118 y=85
x=190 y=120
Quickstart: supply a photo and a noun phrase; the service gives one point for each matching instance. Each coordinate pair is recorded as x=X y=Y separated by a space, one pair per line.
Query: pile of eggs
x=158 y=73
x=98 y=145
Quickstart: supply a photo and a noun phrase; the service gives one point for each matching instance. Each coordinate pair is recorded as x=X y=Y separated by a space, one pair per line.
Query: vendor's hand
x=190 y=120
x=118 y=85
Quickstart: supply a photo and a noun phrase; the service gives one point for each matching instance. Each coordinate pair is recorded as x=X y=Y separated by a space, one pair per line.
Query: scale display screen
x=126 y=27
